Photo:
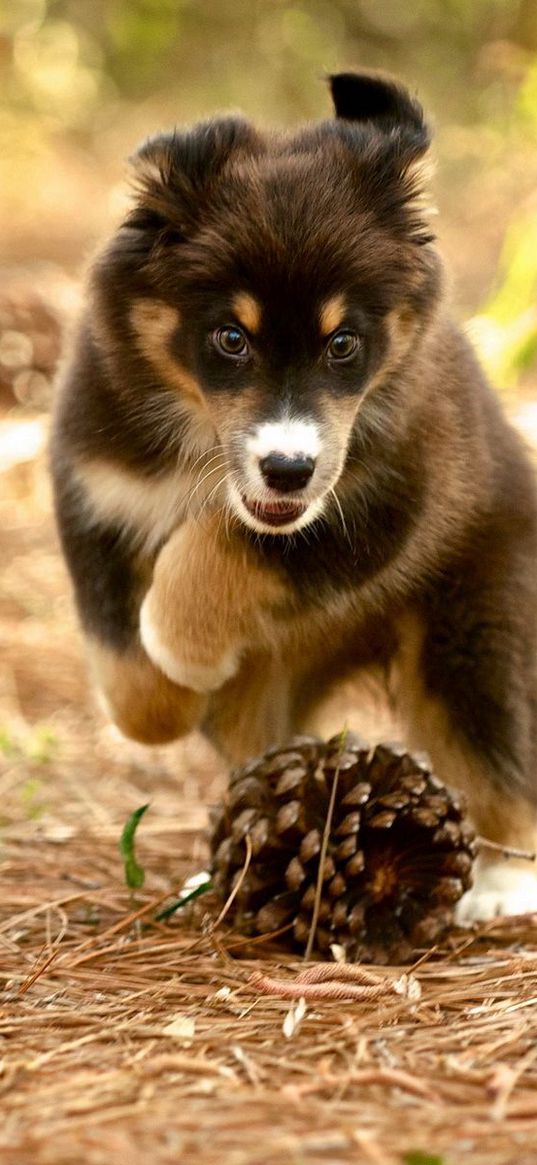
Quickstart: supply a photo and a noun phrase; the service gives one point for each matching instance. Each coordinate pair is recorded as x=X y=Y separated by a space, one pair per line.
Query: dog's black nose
x=286 y=473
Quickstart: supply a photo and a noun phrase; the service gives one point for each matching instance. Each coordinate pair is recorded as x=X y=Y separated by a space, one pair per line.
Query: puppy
x=277 y=464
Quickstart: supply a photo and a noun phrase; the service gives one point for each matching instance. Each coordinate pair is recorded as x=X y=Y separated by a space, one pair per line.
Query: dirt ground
x=123 y=1038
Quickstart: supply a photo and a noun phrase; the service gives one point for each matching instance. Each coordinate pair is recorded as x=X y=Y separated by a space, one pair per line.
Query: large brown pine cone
x=399 y=852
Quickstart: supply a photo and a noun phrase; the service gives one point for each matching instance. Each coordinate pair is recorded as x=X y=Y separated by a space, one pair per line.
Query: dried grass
x=123 y=1039
x=159 y=1043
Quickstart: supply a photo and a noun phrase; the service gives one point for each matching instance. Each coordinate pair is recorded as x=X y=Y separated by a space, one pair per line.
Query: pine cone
x=398 y=856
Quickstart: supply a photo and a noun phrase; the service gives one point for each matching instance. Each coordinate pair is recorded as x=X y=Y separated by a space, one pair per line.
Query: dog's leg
x=463 y=690
x=205 y=595
x=206 y=604
x=110 y=577
x=143 y=702
x=254 y=710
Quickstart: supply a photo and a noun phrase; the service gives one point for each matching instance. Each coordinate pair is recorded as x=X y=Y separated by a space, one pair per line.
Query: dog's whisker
x=206 y=476
x=210 y=473
x=221 y=482
x=212 y=449
x=333 y=494
x=218 y=456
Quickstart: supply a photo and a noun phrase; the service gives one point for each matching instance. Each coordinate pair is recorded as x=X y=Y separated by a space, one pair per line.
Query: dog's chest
x=148 y=508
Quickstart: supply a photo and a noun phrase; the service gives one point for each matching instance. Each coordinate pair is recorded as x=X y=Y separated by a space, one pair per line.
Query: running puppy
x=277 y=463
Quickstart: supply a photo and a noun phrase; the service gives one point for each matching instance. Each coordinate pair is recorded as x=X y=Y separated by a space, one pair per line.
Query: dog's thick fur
x=411 y=549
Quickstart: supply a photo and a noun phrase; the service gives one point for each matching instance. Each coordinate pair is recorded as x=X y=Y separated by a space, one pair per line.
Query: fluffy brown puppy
x=277 y=463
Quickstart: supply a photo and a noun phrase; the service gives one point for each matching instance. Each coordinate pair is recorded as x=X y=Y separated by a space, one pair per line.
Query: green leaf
x=416 y=1157
x=134 y=874
x=180 y=902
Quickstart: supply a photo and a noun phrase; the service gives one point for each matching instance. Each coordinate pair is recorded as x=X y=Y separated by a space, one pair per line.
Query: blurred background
x=82 y=82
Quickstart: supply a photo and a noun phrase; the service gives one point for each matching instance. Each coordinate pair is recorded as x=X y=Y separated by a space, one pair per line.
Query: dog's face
x=273 y=284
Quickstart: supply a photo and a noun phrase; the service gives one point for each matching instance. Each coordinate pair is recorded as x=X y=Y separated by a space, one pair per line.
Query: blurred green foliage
x=505 y=331
x=70 y=59
x=29 y=751
x=39 y=744
x=81 y=81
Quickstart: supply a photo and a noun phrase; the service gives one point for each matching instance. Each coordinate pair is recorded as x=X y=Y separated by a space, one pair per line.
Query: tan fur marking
x=419 y=176
x=332 y=314
x=500 y=818
x=143 y=703
x=154 y=323
x=208 y=595
x=287 y=682
x=254 y=708
x=401 y=324
x=148 y=508
x=231 y=418
x=340 y=413
x=248 y=311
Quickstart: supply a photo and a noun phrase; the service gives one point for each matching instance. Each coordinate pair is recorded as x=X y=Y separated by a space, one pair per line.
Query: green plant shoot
x=134 y=873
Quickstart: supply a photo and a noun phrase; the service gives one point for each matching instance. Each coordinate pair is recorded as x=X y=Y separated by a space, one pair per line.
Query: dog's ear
x=174 y=172
x=384 y=127
x=375 y=98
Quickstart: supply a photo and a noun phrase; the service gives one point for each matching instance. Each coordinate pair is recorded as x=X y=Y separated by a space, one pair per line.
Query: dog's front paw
x=201 y=676
x=499 y=889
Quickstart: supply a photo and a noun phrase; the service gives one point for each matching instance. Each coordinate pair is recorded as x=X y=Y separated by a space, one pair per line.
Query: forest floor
x=124 y=1038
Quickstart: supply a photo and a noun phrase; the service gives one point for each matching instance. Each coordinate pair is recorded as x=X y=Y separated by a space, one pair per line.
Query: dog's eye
x=342 y=345
x=231 y=341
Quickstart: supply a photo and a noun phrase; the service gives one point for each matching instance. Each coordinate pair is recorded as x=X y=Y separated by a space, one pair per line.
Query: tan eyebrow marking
x=332 y=314
x=247 y=310
x=154 y=323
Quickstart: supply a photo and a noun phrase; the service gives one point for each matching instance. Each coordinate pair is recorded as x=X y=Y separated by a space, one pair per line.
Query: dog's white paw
x=499 y=889
x=199 y=677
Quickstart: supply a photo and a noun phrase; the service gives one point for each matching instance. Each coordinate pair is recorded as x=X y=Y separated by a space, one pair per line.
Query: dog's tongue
x=275 y=513
x=277 y=508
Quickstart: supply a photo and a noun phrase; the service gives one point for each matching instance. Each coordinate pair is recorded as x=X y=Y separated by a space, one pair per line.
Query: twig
x=31 y=979
x=127 y=920
x=324 y=847
x=369 y=1146
x=257 y=940
x=298 y=989
x=393 y=1077
x=503 y=1081
x=507 y=850
x=238 y=884
x=344 y=972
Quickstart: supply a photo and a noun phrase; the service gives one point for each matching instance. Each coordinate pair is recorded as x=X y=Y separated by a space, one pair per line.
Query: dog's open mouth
x=275 y=513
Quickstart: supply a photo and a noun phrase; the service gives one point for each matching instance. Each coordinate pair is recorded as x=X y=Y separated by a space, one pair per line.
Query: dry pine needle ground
x=163 y=1045
x=123 y=1039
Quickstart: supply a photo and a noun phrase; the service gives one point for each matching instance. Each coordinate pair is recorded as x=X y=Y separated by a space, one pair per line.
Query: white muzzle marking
x=290 y=438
